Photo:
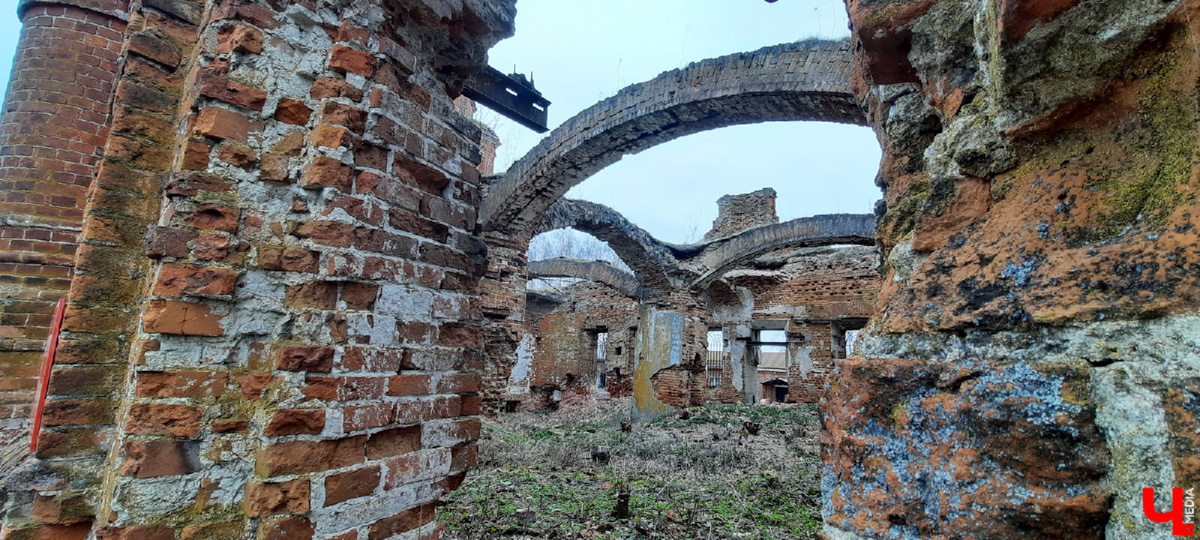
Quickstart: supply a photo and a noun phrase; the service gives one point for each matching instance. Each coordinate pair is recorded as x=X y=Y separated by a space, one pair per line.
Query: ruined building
x=580 y=339
x=290 y=292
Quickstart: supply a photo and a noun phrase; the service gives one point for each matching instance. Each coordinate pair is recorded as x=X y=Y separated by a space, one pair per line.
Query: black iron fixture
x=513 y=96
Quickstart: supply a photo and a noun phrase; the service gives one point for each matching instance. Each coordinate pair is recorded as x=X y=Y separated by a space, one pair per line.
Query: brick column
x=55 y=122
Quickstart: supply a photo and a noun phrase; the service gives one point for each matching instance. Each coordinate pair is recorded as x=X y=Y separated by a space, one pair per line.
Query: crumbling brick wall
x=817 y=294
x=274 y=315
x=562 y=342
x=736 y=213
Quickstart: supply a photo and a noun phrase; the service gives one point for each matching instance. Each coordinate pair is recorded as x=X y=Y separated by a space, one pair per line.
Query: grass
x=695 y=475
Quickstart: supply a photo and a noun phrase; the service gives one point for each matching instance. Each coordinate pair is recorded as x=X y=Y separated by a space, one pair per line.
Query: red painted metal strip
x=39 y=404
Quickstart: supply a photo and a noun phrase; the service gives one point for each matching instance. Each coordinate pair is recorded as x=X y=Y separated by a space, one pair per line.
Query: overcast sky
x=580 y=52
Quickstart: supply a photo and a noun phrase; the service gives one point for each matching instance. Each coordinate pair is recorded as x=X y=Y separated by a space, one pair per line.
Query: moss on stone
x=1147 y=197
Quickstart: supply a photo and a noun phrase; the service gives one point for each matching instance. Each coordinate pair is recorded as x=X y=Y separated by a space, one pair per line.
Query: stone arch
x=651 y=260
x=721 y=255
x=598 y=271
x=807 y=80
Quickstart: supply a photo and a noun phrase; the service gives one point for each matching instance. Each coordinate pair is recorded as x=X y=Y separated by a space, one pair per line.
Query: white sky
x=580 y=52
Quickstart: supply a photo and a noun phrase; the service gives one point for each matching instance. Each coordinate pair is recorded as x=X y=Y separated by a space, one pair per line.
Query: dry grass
x=696 y=475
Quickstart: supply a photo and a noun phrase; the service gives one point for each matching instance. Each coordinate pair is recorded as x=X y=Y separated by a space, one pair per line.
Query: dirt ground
x=696 y=474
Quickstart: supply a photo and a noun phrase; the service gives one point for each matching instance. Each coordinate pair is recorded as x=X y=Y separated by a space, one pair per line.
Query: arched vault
x=807 y=80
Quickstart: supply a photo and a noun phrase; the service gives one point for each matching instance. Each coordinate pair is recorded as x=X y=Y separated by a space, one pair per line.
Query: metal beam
x=510 y=95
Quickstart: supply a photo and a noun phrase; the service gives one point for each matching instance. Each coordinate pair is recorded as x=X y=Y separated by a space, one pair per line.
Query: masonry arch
x=807 y=80
x=598 y=271
x=650 y=260
x=827 y=230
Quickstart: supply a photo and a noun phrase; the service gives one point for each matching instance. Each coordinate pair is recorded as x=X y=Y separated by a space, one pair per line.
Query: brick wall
x=736 y=213
x=290 y=352
x=563 y=341
x=52 y=133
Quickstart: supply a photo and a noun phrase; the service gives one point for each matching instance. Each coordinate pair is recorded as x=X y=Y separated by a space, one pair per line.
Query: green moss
x=901 y=218
x=1146 y=197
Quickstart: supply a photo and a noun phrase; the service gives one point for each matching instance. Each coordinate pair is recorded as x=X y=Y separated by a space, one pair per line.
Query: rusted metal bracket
x=510 y=95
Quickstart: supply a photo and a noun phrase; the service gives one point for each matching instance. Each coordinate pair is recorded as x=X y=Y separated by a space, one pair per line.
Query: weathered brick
x=328 y=233
x=298 y=457
x=360 y=296
x=345 y=59
x=296 y=422
x=153 y=458
x=329 y=87
x=182 y=384
x=291 y=111
x=288 y=258
x=179 y=280
x=239 y=38
x=164 y=419
x=348 y=485
x=214 y=216
x=394 y=442
x=270 y=498
x=327 y=172
x=313 y=294
x=189 y=319
x=221 y=123
x=305 y=358
x=286 y=528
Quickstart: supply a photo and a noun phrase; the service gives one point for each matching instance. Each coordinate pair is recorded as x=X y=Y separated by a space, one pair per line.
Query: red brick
x=214 y=84
x=348 y=485
x=212 y=247
x=214 y=216
x=154 y=458
x=286 y=528
x=275 y=168
x=163 y=419
x=305 y=358
x=344 y=58
x=344 y=115
x=329 y=87
x=464 y=457
x=394 y=442
x=221 y=123
x=168 y=317
x=313 y=294
x=332 y=137
x=308 y=456
x=185 y=384
x=271 y=498
x=240 y=38
x=360 y=296
x=190 y=184
x=296 y=422
x=409 y=384
x=179 y=280
x=367 y=416
x=291 y=111
x=238 y=155
x=288 y=258
x=403 y=522
x=328 y=233
x=458 y=383
x=168 y=242
x=253 y=384
x=327 y=172
x=231 y=426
